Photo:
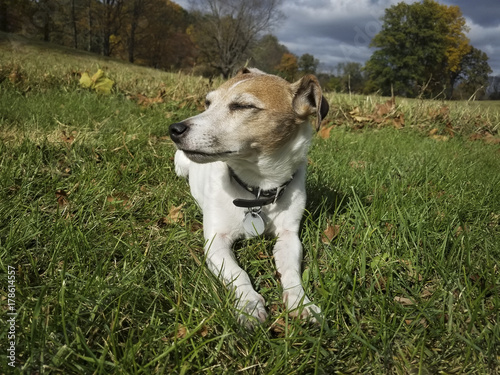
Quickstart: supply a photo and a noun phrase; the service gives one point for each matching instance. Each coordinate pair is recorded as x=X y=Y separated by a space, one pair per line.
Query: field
x=401 y=234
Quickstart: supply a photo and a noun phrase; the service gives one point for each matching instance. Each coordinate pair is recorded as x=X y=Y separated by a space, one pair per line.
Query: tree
x=110 y=23
x=420 y=47
x=267 y=53
x=308 y=64
x=15 y=14
x=350 y=77
x=288 y=67
x=226 y=29
x=473 y=73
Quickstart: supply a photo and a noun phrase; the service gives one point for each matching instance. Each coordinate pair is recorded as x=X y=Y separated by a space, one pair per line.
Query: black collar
x=263 y=197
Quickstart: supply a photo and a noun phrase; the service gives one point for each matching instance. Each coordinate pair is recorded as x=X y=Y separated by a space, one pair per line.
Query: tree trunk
x=89 y=46
x=73 y=20
x=136 y=11
x=3 y=16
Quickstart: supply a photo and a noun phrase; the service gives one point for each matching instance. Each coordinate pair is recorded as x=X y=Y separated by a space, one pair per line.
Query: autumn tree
x=288 y=67
x=14 y=14
x=226 y=30
x=420 y=48
x=161 y=38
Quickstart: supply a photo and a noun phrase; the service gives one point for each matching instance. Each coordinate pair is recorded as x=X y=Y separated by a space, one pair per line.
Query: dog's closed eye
x=235 y=106
x=207 y=104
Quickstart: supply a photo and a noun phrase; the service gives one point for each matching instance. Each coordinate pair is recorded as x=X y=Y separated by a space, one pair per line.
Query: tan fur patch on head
x=275 y=123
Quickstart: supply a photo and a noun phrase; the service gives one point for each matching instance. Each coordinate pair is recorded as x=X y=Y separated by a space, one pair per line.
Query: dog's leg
x=288 y=256
x=222 y=262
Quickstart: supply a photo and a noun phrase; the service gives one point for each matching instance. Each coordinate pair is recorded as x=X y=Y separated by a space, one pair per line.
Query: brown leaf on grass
x=175 y=215
x=181 y=332
x=330 y=233
x=490 y=139
x=449 y=129
x=399 y=121
x=357 y=164
x=204 y=331
x=358 y=117
x=62 y=198
x=439 y=113
x=404 y=301
x=119 y=199
x=385 y=108
x=362 y=119
x=146 y=101
x=427 y=292
x=422 y=322
x=437 y=137
x=324 y=132
x=68 y=139
x=380 y=283
x=279 y=327
x=460 y=230
x=262 y=255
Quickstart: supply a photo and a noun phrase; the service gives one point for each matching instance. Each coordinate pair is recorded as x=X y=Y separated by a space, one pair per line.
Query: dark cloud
x=341 y=30
x=483 y=12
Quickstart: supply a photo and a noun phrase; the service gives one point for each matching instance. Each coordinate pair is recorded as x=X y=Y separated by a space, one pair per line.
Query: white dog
x=245 y=157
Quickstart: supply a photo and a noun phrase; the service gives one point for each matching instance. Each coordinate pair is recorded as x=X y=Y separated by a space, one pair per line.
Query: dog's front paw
x=299 y=306
x=251 y=310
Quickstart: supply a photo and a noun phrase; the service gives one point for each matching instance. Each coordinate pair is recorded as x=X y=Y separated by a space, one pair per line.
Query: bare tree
x=227 y=29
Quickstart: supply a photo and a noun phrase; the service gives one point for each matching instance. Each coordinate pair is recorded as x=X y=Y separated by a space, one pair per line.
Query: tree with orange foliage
x=288 y=68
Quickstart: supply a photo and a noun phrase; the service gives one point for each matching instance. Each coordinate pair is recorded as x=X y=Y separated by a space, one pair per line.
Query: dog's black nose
x=177 y=130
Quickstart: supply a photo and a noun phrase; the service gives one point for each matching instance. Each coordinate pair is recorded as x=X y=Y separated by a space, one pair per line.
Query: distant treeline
x=421 y=51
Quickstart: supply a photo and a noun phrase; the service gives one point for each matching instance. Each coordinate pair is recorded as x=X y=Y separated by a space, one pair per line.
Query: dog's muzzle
x=178 y=131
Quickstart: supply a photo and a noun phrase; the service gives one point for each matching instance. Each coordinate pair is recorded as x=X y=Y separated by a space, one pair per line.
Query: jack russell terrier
x=245 y=158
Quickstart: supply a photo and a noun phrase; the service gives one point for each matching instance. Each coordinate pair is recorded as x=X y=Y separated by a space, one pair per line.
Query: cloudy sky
x=337 y=31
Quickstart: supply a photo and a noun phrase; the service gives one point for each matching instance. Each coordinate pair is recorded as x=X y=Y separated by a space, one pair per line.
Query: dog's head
x=251 y=114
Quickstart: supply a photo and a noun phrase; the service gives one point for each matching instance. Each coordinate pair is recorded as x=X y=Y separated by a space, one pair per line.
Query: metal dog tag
x=254 y=223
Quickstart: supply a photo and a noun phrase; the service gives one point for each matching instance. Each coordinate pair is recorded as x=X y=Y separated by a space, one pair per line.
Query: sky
x=336 y=31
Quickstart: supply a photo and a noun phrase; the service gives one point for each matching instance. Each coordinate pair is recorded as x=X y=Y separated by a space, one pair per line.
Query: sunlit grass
x=108 y=281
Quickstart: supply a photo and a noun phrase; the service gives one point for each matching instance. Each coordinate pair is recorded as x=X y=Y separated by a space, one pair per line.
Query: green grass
x=105 y=283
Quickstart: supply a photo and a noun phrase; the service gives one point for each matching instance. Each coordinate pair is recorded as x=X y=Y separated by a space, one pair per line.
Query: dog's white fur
x=257 y=124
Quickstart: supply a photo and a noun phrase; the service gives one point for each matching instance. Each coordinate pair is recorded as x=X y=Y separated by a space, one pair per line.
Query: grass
x=401 y=236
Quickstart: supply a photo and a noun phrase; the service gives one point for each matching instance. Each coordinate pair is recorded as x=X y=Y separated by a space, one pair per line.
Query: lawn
x=401 y=234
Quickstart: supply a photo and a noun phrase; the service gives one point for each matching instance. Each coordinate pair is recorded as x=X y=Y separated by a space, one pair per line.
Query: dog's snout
x=177 y=130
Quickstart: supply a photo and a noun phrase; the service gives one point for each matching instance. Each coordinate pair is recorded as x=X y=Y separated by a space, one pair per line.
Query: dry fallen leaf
x=361 y=119
x=404 y=301
x=330 y=233
x=62 y=198
x=399 y=121
x=175 y=215
x=181 y=332
x=68 y=139
x=386 y=108
x=324 y=132
x=119 y=199
x=357 y=164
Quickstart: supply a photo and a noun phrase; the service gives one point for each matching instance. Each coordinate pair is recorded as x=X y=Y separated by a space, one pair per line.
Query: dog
x=245 y=158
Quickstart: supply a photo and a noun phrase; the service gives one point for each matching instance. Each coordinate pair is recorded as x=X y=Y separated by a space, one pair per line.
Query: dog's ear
x=308 y=99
